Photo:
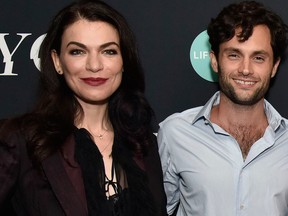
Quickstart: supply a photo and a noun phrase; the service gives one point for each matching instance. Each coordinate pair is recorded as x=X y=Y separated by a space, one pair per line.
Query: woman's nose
x=94 y=63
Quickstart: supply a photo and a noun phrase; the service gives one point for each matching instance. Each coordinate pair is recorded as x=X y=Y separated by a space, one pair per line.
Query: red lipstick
x=94 y=81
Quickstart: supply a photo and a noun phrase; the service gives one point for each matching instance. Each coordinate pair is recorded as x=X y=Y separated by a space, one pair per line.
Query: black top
x=57 y=189
x=132 y=194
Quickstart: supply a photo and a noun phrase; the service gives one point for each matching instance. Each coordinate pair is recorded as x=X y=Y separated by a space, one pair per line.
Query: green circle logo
x=199 y=57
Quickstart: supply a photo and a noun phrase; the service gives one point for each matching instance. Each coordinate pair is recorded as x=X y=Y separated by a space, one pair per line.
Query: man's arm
x=170 y=177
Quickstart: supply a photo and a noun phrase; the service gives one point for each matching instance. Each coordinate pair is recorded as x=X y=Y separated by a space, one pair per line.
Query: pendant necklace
x=100 y=136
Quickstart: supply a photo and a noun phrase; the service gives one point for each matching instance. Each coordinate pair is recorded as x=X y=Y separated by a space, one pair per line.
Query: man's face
x=245 y=68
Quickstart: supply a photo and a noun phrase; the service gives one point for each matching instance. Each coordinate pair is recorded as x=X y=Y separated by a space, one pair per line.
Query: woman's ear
x=56 y=61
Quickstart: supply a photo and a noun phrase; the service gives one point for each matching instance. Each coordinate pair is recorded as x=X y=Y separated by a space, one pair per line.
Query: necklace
x=100 y=136
x=105 y=148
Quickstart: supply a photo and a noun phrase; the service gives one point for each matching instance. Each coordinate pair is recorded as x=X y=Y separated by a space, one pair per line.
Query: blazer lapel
x=62 y=186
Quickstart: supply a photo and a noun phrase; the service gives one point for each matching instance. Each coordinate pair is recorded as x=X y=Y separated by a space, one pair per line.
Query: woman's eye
x=76 y=52
x=110 y=52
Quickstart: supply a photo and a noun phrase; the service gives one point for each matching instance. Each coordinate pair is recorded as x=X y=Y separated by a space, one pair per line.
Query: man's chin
x=245 y=101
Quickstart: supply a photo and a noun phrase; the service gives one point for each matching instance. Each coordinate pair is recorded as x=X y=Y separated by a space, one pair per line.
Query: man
x=230 y=157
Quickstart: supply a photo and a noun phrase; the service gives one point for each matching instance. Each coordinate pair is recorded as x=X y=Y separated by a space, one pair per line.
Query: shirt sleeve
x=170 y=176
x=154 y=172
x=9 y=163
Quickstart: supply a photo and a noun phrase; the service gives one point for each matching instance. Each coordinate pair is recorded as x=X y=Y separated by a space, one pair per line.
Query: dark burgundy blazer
x=60 y=191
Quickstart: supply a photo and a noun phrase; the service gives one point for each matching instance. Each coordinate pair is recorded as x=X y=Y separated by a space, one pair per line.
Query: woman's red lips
x=94 y=81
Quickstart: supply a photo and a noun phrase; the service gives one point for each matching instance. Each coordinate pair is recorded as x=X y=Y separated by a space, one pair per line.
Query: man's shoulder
x=186 y=116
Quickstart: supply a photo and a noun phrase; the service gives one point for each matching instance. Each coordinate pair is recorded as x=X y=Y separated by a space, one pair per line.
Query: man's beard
x=229 y=92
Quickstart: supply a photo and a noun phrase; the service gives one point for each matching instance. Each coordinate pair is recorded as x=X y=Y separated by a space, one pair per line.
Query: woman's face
x=90 y=60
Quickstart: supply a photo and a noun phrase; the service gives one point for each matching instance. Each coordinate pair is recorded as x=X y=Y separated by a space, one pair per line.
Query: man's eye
x=259 y=59
x=233 y=56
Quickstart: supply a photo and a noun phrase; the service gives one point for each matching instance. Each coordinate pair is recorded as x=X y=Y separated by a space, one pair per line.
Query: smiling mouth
x=94 y=81
x=242 y=82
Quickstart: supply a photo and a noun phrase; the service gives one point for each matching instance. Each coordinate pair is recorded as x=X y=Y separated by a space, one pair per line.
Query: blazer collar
x=60 y=182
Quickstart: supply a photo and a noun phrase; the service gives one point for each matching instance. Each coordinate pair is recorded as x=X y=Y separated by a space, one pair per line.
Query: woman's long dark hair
x=53 y=118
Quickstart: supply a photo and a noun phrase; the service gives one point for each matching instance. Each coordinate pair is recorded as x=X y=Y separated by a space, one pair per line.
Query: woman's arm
x=9 y=161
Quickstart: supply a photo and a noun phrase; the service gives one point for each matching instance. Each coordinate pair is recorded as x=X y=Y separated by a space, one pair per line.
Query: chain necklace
x=100 y=136
x=105 y=147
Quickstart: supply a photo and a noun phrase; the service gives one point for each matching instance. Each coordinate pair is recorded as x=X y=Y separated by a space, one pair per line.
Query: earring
x=59 y=72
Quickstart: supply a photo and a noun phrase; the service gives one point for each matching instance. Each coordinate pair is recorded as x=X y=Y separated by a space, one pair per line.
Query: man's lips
x=245 y=82
x=94 y=81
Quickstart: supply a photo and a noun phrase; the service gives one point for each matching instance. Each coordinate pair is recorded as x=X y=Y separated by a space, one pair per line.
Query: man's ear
x=275 y=67
x=213 y=62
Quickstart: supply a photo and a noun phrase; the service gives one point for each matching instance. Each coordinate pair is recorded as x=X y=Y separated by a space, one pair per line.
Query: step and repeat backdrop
x=172 y=41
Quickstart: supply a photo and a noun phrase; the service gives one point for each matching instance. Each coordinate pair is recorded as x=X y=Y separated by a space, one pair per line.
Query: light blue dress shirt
x=204 y=169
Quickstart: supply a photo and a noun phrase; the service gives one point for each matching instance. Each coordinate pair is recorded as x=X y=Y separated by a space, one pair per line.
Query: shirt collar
x=275 y=120
x=206 y=109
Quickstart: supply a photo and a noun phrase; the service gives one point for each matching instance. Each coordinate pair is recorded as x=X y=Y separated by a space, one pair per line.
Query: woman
x=87 y=148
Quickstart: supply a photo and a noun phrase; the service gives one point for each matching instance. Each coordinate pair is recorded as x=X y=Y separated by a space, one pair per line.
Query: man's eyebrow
x=231 y=49
x=256 y=52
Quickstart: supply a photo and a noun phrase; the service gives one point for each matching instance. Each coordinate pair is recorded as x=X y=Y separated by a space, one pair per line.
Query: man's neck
x=228 y=112
x=246 y=124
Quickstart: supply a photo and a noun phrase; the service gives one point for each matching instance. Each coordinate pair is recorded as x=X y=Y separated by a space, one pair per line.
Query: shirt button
x=241 y=207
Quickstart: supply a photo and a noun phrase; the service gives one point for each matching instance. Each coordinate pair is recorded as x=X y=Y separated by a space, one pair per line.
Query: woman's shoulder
x=9 y=125
x=15 y=125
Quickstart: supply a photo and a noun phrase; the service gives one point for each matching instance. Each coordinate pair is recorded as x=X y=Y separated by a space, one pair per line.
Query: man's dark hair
x=246 y=15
